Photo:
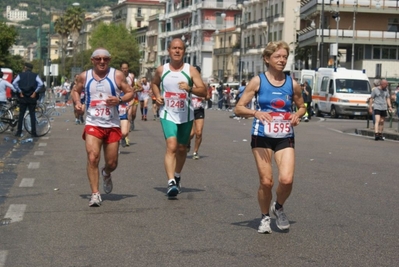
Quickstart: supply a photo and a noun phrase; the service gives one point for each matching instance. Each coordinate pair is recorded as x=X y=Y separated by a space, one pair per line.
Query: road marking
x=33 y=165
x=38 y=153
x=15 y=212
x=3 y=257
x=45 y=137
x=42 y=144
x=27 y=182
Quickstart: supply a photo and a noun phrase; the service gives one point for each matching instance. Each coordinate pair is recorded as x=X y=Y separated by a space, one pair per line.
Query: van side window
x=331 y=88
x=324 y=83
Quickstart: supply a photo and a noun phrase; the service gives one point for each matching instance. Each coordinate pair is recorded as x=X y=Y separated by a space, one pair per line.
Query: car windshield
x=351 y=86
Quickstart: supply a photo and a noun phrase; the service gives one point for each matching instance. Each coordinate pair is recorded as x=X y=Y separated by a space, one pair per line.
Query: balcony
x=307 y=37
x=139 y=17
x=223 y=51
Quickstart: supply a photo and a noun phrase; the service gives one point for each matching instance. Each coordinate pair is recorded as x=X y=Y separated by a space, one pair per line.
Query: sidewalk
x=389 y=132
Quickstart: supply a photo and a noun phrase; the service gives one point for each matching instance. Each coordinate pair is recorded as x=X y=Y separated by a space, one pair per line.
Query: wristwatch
x=120 y=100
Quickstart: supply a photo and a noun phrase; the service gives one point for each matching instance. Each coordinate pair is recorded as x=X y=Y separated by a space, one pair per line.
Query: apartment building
x=357 y=34
x=135 y=14
x=15 y=14
x=195 y=22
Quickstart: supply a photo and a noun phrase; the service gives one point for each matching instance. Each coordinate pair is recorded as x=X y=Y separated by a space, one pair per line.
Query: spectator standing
x=210 y=93
x=220 y=94
x=227 y=95
x=3 y=89
x=27 y=84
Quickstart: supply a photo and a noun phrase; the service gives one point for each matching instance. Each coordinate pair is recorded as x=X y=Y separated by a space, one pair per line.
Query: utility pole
x=48 y=61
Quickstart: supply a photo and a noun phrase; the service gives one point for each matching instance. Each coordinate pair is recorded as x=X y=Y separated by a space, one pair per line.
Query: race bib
x=122 y=108
x=197 y=102
x=99 y=109
x=175 y=102
x=280 y=127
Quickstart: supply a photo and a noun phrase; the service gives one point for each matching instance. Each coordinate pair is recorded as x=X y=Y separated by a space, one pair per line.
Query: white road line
x=46 y=137
x=38 y=153
x=42 y=144
x=27 y=182
x=15 y=212
x=3 y=257
x=33 y=165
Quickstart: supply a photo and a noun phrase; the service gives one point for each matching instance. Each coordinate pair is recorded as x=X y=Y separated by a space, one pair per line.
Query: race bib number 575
x=280 y=127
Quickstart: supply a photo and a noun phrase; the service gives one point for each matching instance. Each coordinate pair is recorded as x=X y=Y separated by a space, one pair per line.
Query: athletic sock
x=265 y=215
x=278 y=206
x=177 y=175
x=145 y=111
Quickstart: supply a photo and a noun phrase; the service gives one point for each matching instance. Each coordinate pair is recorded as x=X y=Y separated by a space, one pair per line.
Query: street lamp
x=223 y=15
x=337 y=18
x=353 y=34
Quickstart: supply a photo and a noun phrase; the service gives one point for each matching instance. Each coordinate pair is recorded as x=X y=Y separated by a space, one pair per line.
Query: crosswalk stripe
x=38 y=153
x=3 y=257
x=27 y=182
x=15 y=212
x=33 y=165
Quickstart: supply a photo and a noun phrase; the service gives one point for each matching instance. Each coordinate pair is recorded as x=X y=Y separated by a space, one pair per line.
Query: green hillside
x=37 y=16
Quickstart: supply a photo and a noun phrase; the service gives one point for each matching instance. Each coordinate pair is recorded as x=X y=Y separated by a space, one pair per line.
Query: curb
x=387 y=135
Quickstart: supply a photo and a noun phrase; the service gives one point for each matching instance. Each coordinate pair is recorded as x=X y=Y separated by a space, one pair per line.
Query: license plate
x=358 y=113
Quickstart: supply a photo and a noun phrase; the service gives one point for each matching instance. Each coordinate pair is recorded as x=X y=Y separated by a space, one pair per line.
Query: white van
x=339 y=91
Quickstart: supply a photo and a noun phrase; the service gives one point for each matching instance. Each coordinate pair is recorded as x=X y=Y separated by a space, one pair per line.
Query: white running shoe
x=107 y=182
x=95 y=200
x=264 y=226
x=195 y=155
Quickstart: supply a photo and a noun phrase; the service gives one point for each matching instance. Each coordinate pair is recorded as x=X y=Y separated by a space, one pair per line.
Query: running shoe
x=77 y=121
x=281 y=219
x=195 y=155
x=178 y=184
x=82 y=120
x=264 y=226
x=107 y=182
x=123 y=142
x=127 y=141
x=95 y=200
x=172 y=189
x=145 y=118
x=306 y=119
x=188 y=148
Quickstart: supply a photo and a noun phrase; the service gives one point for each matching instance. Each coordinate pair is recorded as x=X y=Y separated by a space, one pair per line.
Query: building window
x=282 y=9
x=376 y=52
x=393 y=25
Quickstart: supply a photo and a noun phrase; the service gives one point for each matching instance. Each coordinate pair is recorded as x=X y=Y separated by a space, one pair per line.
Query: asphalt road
x=343 y=208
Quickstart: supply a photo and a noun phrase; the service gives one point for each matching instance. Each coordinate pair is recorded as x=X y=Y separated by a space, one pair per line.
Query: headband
x=99 y=52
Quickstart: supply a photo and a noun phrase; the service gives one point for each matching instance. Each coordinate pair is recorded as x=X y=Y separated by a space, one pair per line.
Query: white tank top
x=177 y=107
x=98 y=113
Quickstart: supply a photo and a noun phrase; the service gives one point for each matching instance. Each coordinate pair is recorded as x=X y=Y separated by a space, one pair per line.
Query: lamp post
x=336 y=17
x=223 y=15
x=353 y=35
x=240 y=69
x=48 y=60
x=321 y=56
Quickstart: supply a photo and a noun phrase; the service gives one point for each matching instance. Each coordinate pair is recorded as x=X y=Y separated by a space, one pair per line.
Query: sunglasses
x=98 y=59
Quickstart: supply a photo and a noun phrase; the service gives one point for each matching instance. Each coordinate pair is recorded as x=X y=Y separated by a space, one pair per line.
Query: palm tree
x=61 y=28
x=74 y=17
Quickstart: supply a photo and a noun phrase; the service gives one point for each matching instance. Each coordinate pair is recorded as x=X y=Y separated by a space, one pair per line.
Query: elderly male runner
x=172 y=86
x=103 y=86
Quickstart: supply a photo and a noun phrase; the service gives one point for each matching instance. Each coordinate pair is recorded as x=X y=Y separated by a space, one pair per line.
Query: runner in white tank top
x=172 y=86
x=102 y=86
x=144 y=96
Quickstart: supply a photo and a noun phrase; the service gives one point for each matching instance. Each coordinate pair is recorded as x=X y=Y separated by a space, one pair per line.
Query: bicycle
x=9 y=115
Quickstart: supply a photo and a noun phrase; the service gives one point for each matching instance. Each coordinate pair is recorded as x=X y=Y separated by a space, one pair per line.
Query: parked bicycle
x=9 y=118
